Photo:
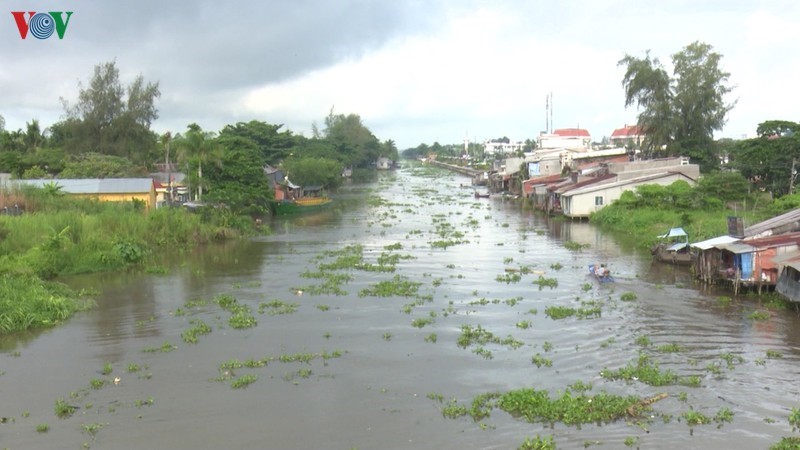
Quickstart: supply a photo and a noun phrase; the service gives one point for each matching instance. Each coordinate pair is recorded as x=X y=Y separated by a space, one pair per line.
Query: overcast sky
x=415 y=71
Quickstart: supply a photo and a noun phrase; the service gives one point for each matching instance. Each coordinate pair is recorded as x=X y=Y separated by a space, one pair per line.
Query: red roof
x=572 y=132
x=626 y=131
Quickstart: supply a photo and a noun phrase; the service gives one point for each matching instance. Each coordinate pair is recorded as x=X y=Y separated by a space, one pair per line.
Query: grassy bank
x=57 y=235
x=652 y=210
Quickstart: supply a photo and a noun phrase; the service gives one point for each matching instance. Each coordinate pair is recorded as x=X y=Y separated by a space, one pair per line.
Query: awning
x=713 y=242
x=674 y=232
x=736 y=247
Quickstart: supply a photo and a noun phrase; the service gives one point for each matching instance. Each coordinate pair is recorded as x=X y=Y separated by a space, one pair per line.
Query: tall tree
x=239 y=181
x=196 y=148
x=679 y=113
x=273 y=144
x=111 y=119
x=767 y=161
x=354 y=142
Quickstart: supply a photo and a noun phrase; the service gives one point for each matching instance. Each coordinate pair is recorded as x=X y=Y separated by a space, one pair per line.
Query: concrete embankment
x=463 y=170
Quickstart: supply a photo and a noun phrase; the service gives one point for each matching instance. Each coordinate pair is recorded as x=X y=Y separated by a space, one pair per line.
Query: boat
x=604 y=278
x=481 y=195
x=673 y=248
x=301 y=205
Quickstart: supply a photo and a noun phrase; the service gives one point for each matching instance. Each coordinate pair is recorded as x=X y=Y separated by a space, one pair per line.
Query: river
x=351 y=369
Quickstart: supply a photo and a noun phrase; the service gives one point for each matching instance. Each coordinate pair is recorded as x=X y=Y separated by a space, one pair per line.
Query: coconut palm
x=199 y=147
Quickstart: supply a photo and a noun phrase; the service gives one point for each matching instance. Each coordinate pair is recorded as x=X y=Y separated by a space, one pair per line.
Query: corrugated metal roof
x=674 y=232
x=736 y=247
x=787 y=257
x=95 y=185
x=713 y=242
x=775 y=222
x=779 y=240
x=643 y=179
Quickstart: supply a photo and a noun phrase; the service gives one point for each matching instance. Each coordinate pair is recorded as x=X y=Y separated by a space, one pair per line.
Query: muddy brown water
x=377 y=394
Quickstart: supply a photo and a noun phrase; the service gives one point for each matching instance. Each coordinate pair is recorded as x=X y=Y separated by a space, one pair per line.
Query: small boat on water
x=673 y=248
x=604 y=277
x=481 y=194
x=301 y=205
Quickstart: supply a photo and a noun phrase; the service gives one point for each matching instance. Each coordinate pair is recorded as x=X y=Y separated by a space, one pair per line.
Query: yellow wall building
x=104 y=189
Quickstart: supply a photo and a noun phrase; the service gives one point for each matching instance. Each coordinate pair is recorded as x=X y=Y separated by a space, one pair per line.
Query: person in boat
x=601 y=271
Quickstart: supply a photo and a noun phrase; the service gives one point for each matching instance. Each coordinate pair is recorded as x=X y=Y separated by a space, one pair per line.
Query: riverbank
x=58 y=236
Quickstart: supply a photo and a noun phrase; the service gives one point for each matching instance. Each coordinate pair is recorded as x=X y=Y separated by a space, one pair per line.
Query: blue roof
x=95 y=185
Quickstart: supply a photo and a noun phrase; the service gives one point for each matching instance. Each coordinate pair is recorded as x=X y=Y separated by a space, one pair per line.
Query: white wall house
x=627 y=136
x=501 y=148
x=581 y=202
x=571 y=138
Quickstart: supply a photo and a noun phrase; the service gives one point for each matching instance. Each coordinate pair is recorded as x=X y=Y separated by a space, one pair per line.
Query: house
x=554 y=202
x=283 y=188
x=384 y=163
x=789 y=279
x=579 y=201
x=570 y=138
x=709 y=266
x=636 y=169
x=103 y=189
x=499 y=149
x=755 y=263
x=784 y=223
x=628 y=136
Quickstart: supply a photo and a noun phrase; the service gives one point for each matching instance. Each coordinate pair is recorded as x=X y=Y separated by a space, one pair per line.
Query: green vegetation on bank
x=58 y=235
x=702 y=210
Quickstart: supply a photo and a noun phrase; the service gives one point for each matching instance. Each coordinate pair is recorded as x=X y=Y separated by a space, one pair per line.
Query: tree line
x=107 y=133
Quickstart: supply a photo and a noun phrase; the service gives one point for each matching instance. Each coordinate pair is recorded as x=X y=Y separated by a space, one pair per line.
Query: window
x=598 y=201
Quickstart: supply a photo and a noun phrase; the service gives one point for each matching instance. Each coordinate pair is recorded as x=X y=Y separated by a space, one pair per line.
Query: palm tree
x=199 y=146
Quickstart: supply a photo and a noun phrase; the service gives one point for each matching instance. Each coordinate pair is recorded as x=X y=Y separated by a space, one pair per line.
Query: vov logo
x=41 y=25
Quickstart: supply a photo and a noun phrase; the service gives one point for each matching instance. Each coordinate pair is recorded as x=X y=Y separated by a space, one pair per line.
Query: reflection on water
x=374 y=394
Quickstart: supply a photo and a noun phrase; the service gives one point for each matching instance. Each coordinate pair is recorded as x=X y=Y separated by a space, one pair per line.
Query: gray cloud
x=198 y=51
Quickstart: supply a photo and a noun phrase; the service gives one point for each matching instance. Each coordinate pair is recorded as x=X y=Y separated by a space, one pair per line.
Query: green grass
x=28 y=302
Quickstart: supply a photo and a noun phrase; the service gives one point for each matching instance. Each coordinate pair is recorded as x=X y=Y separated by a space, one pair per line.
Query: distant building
x=627 y=136
x=103 y=189
x=502 y=148
x=570 y=138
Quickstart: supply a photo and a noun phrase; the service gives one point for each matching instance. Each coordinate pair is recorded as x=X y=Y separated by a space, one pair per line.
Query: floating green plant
x=758 y=315
x=166 y=347
x=570 y=408
x=192 y=335
x=244 y=381
x=669 y=348
x=97 y=383
x=693 y=417
x=421 y=322
x=42 y=428
x=431 y=338
x=646 y=372
x=276 y=307
x=64 y=409
x=575 y=246
x=107 y=369
x=628 y=297
x=538 y=443
x=540 y=361
x=397 y=286
x=546 y=282
x=525 y=324
x=559 y=312
x=774 y=354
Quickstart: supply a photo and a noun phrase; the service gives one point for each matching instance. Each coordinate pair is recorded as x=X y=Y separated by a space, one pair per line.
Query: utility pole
x=793 y=176
x=167 y=137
